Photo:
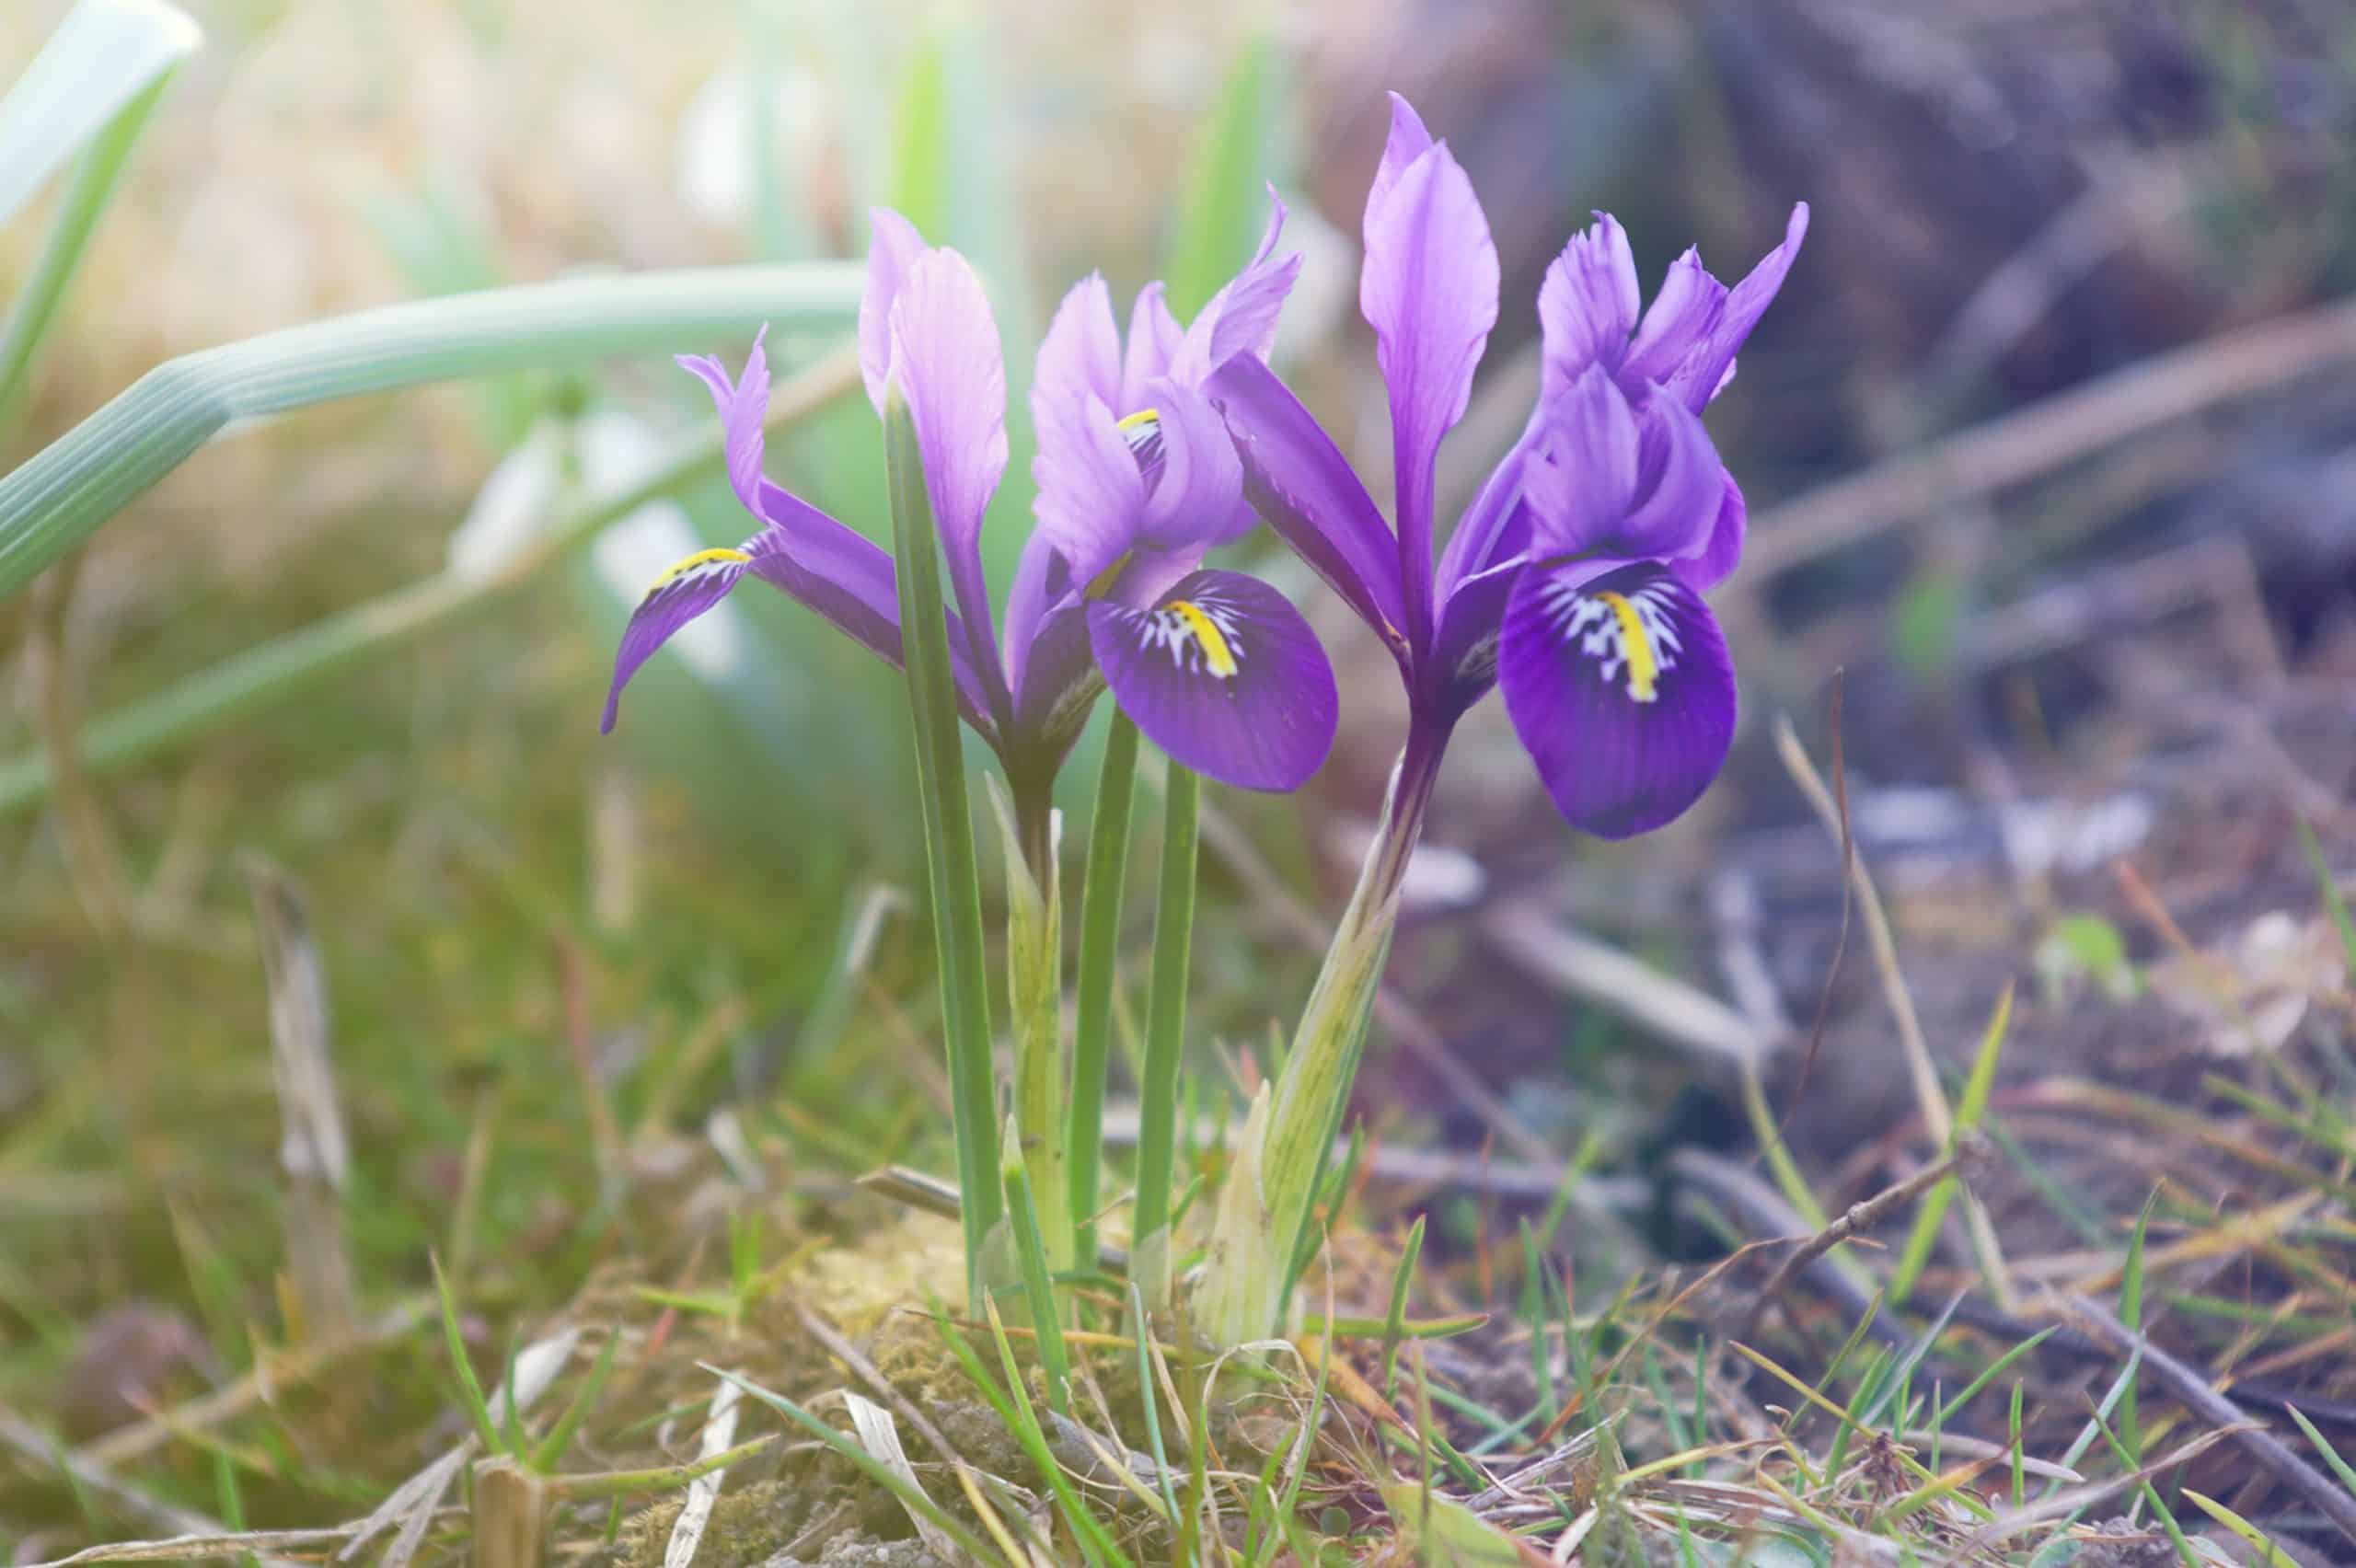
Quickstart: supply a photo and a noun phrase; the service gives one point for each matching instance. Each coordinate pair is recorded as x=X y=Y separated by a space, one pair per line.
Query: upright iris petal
x=1430 y=290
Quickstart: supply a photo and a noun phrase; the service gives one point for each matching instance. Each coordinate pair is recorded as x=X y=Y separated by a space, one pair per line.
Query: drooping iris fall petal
x=679 y=597
x=1224 y=676
x=1617 y=680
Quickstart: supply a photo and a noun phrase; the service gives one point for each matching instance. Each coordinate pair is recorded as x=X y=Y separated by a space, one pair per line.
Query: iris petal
x=1225 y=676
x=1301 y=482
x=679 y=597
x=1430 y=290
x=1079 y=356
x=1588 y=305
x=1618 y=681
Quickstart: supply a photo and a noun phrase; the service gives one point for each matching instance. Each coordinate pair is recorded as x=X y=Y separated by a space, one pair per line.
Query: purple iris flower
x=1138 y=480
x=1574 y=579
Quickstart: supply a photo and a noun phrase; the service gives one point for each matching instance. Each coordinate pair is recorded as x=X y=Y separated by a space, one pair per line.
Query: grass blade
x=1037 y=1288
x=64 y=494
x=1974 y=1105
x=36 y=303
x=949 y=837
x=1173 y=930
x=301 y=661
x=1224 y=205
x=102 y=56
x=1100 y=943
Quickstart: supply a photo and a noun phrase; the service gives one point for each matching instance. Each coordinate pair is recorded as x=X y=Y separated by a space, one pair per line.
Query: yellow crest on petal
x=695 y=562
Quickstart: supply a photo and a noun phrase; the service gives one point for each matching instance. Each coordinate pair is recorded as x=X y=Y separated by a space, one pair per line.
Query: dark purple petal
x=1429 y=289
x=679 y=597
x=742 y=405
x=1059 y=679
x=1199 y=489
x=947 y=363
x=1154 y=341
x=1617 y=679
x=1225 y=676
x=1723 y=551
x=1241 y=318
x=1079 y=357
x=1463 y=663
x=1587 y=306
x=892 y=248
x=1303 y=486
x=1091 y=494
x=1706 y=371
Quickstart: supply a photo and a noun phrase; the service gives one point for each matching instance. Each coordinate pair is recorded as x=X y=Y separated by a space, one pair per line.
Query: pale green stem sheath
x=1100 y=944
x=1038 y=1286
x=36 y=304
x=289 y=667
x=1165 y=1041
x=1263 y=1208
x=954 y=879
x=66 y=490
x=1034 y=989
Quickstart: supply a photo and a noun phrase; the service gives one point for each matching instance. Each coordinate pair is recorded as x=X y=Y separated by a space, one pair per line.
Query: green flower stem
x=1165 y=1041
x=1035 y=988
x=1100 y=942
x=1263 y=1210
x=955 y=880
x=68 y=490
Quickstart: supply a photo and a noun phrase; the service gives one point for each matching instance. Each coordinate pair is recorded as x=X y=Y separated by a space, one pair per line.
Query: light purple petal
x=1302 y=485
x=1582 y=482
x=1407 y=142
x=1473 y=545
x=947 y=363
x=1705 y=372
x=1618 y=681
x=1225 y=676
x=1200 y=487
x=1587 y=307
x=1429 y=289
x=1678 y=323
x=1241 y=318
x=892 y=248
x=1080 y=354
x=1041 y=577
x=1680 y=483
x=1092 y=495
x=1723 y=551
x=679 y=597
x=1154 y=339
x=742 y=405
